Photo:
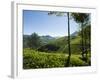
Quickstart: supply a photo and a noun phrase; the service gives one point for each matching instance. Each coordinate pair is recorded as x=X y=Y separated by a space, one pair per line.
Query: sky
x=43 y=24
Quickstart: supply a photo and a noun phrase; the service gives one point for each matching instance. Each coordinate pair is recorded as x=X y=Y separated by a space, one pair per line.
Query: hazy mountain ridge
x=74 y=33
x=47 y=38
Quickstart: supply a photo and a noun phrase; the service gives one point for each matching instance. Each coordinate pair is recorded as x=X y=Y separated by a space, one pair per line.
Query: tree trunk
x=69 y=48
x=82 y=44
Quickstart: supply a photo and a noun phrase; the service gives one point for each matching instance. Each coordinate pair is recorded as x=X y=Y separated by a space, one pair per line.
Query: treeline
x=32 y=41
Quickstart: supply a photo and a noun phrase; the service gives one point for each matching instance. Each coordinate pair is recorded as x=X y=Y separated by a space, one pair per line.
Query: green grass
x=34 y=59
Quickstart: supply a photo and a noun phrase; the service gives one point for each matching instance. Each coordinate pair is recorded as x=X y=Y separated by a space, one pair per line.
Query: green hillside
x=62 y=43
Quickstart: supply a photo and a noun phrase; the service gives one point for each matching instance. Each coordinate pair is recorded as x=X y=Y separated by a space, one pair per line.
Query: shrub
x=37 y=59
x=75 y=61
x=34 y=59
x=49 y=48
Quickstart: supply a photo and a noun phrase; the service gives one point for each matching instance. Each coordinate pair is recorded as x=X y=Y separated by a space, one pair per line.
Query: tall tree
x=81 y=18
x=69 y=48
x=34 y=41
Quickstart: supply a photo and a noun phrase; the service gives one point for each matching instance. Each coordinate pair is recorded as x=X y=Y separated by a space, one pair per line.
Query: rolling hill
x=61 y=45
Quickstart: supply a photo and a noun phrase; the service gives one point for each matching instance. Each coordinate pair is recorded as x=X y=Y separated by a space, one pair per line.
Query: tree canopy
x=34 y=41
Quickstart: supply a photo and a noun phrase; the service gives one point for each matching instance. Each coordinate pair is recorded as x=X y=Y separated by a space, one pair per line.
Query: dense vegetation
x=35 y=59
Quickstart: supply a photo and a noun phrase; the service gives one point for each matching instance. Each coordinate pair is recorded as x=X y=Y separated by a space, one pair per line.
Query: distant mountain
x=47 y=38
x=74 y=33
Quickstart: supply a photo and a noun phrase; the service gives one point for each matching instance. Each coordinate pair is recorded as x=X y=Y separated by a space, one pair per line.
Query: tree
x=34 y=41
x=87 y=40
x=82 y=18
x=69 y=48
x=25 y=41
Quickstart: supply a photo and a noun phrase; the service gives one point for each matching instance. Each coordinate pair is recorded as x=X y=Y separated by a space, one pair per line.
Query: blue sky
x=44 y=24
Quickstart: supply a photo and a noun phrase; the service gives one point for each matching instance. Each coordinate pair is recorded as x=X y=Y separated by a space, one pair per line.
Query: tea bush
x=33 y=59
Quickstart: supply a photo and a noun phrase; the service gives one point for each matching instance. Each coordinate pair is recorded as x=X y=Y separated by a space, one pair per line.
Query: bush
x=75 y=61
x=33 y=59
x=49 y=48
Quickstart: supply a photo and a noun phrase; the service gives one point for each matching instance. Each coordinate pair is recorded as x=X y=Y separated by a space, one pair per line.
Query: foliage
x=25 y=41
x=77 y=61
x=80 y=17
x=57 y=13
x=86 y=32
x=48 y=48
x=34 y=41
x=34 y=59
